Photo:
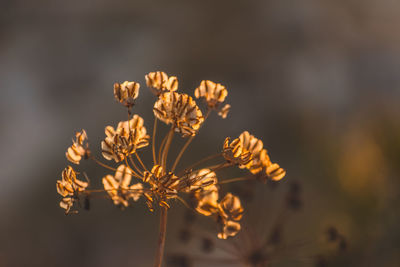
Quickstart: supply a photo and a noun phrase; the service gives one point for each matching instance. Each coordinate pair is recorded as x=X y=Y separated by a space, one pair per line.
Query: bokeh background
x=318 y=81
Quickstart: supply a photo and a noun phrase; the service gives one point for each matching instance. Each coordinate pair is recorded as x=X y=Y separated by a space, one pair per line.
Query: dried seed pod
x=207 y=200
x=159 y=82
x=230 y=211
x=118 y=186
x=213 y=93
x=234 y=152
x=69 y=187
x=181 y=111
x=79 y=148
x=125 y=140
x=126 y=92
x=202 y=178
x=231 y=208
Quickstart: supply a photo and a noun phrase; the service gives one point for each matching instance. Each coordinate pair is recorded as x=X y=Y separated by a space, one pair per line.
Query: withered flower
x=203 y=178
x=260 y=160
x=79 y=148
x=234 y=152
x=207 y=200
x=160 y=185
x=181 y=111
x=159 y=82
x=230 y=211
x=213 y=93
x=126 y=92
x=163 y=185
x=129 y=136
x=69 y=187
x=118 y=186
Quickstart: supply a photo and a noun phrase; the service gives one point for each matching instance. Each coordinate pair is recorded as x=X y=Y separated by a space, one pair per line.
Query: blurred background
x=317 y=81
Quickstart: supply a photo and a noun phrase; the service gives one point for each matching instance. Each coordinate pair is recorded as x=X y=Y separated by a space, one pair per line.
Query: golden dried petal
x=78 y=149
x=64 y=188
x=66 y=203
x=123 y=176
x=223 y=112
x=73 y=155
x=111 y=185
x=136 y=191
x=275 y=172
x=110 y=132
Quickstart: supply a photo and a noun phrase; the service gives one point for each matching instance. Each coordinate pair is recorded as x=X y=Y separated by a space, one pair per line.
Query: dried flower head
x=213 y=93
x=181 y=111
x=201 y=179
x=159 y=82
x=68 y=187
x=260 y=163
x=118 y=186
x=163 y=183
x=230 y=211
x=79 y=148
x=207 y=200
x=129 y=136
x=126 y=93
x=233 y=152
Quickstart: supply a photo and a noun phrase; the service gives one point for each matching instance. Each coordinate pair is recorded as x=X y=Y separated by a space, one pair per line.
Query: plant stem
x=102 y=164
x=199 y=162
x=166 y=149
x=181 y=152
x=234 y=180
x=187 y=144
x=161 y=237
x=153 y=143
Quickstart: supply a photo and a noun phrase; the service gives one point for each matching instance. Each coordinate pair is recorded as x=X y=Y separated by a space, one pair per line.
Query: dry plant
x=161 y=183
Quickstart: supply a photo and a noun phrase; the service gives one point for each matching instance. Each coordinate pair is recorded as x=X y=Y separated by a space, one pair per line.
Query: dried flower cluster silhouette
x=158 y=182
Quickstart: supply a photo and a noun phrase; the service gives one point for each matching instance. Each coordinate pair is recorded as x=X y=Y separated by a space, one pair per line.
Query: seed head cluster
x=158 y=182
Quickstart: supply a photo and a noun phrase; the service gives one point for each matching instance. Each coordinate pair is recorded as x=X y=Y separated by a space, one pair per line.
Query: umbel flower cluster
x=159 y=182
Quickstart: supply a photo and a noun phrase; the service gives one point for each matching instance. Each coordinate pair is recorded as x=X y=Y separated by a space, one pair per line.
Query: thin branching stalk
x=102 y=164
x=161 y=148
x=178 y=158
x=199 y=162
x=181 y=152
x=153 y=143
x=134 y=165
x=237 y=179
x=133 y=171
x=161 y=237
x=141 y=162
x=166 y=148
